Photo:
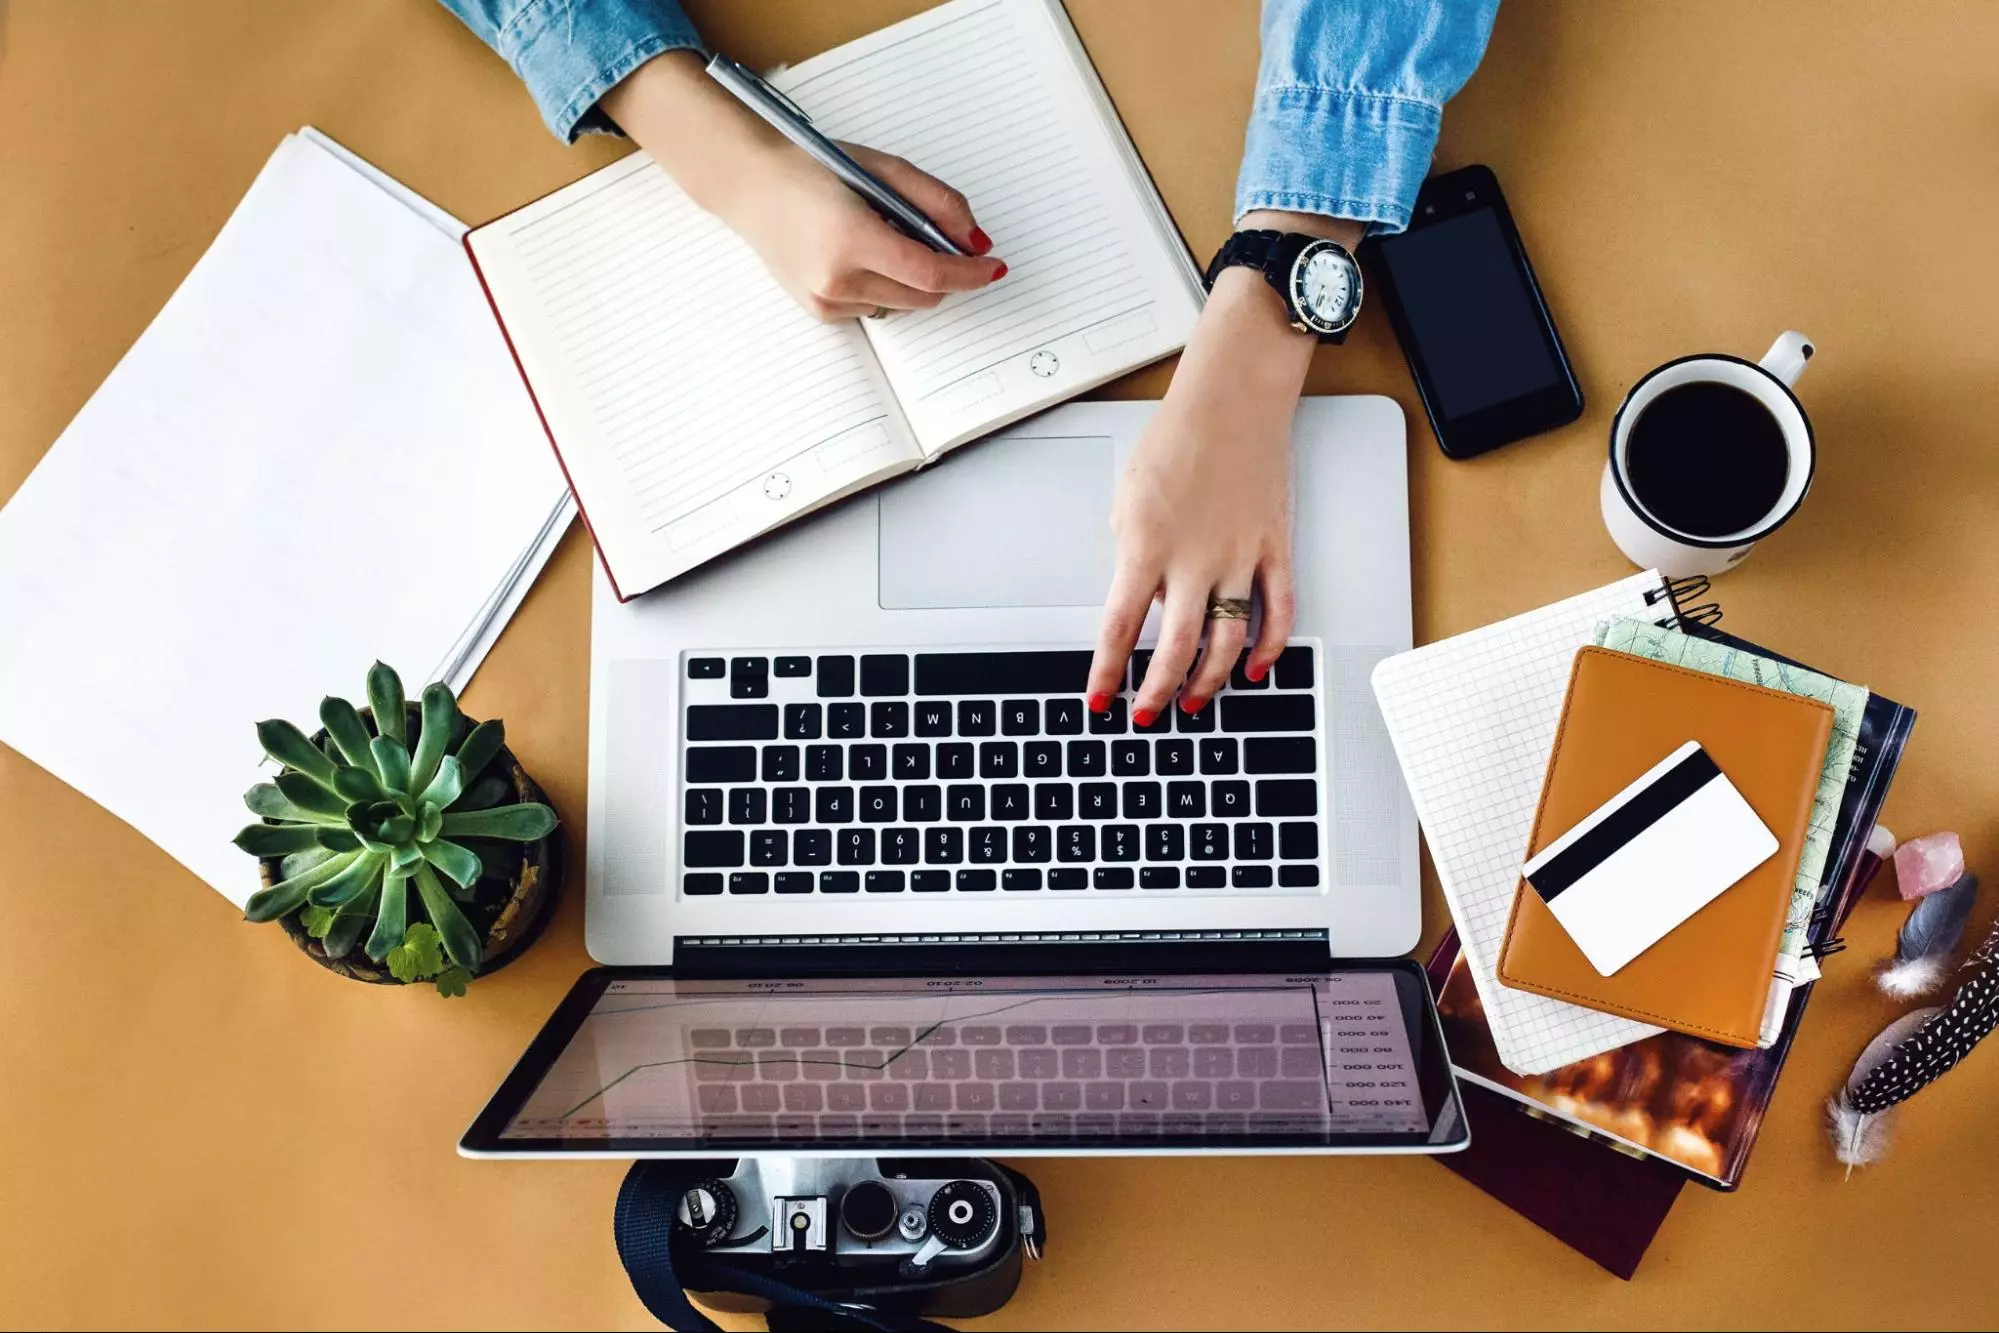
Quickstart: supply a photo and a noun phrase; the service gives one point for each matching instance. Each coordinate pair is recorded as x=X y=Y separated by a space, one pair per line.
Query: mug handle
x=1787 y=356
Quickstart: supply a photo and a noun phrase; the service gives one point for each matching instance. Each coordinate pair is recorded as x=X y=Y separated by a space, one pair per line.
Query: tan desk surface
x=200 y=1128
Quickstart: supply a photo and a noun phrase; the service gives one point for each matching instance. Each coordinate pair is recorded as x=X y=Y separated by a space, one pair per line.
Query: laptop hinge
x=1014 y=953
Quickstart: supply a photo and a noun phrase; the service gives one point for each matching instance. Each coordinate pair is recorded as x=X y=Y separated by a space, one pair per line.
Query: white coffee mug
x=1651 y=543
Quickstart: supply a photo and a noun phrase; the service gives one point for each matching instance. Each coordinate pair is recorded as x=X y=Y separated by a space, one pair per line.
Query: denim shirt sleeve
x=1349 y=96
x=570 y=53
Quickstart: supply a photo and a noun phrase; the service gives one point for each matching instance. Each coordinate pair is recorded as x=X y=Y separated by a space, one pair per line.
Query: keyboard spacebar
x=1002 y=673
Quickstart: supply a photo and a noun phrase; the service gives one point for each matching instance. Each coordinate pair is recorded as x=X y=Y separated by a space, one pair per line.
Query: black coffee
x=1707 y=459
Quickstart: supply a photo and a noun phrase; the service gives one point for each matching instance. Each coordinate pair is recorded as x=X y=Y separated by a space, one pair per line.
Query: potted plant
x=386 y=851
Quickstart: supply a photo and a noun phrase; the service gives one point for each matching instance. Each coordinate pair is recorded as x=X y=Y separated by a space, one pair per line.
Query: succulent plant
x=367 y=820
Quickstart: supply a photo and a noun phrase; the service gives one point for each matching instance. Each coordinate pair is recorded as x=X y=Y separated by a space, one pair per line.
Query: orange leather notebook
x=1710 y=976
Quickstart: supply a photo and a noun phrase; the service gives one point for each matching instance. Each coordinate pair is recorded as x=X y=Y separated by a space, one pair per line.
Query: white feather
x=1857 y=1140
x=1917 y=976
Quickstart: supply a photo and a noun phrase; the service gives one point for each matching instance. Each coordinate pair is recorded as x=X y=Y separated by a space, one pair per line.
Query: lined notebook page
x=987 y=96
x=694 y=404
x=1473 y=721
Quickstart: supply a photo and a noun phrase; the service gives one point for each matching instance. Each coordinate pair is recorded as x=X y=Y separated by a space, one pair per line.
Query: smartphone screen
x=1471 y=320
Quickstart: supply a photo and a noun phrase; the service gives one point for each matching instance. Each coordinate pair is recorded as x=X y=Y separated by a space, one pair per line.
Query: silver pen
x=787 y=118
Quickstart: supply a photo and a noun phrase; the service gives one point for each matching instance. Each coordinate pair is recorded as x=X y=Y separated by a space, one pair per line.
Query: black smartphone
x=1469 y=315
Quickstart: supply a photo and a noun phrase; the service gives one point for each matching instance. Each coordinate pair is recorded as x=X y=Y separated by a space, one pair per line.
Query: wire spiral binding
x=1680 y=593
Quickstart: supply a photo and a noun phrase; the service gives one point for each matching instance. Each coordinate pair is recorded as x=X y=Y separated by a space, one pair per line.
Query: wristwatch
x=1317 y=279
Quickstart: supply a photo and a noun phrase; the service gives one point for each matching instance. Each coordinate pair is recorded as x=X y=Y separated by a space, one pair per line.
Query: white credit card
x=1649 y=858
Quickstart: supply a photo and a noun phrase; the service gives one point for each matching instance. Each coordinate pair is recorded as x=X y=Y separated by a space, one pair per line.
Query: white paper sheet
x=319 y=454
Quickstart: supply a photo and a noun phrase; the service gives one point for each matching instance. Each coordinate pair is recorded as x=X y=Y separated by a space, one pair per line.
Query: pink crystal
x=1926 y=864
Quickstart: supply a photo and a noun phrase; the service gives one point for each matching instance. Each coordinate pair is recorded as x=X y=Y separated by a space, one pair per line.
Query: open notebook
x=694 y=406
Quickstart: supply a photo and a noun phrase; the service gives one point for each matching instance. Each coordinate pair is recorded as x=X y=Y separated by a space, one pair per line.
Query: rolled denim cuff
x=570 y=53
x=1344 y=154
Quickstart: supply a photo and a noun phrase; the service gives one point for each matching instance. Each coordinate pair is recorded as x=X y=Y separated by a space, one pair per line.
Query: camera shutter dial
x=962 y=1214
x=706 y=1211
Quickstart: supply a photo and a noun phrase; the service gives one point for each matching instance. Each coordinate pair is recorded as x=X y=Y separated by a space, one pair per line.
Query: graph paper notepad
x=1473 y=719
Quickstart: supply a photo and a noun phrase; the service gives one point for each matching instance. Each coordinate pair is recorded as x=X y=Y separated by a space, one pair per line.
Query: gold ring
x=880 y=312
x=1228 y=608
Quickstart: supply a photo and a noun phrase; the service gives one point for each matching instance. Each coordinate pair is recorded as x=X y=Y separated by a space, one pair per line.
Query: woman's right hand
x=836 y=256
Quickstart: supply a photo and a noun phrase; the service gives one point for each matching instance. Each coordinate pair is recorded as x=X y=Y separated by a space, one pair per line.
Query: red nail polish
x=1099 y=702
x=1257 y=672
x=1191 y=705
x=999 y=272
x=980 y=241
x=1143 y=717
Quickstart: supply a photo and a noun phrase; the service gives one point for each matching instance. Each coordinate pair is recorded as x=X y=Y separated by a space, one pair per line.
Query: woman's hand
x=835 y=255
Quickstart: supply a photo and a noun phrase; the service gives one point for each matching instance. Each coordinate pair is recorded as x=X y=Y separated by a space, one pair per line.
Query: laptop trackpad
x=1021 y=521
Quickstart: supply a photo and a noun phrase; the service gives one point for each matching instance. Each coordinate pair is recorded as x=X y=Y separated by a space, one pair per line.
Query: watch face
x=1325 y=287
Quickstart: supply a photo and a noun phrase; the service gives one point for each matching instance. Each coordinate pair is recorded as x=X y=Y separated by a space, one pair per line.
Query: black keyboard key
x=933 y=718
x=732 y=722
x=839 y=881
x=964 y=802
x=1141 y=800
x=1229 y=800
x=855 y=847
x=836 y=677
x=749 y=677
x=999 y=759
x=705 y=668
x=780 y=763
x=1239 y=676
x=1282 y=798
x=1251 y=877
x=794 y=881
x=1031 y=844
x=884 y=881
x=749 y=881
x=1296 y=877
x=769 y=847
x=1210 y=842
x=878 y=805
x=1097 y=800
x=955 y=761
x=911 y=762
x=1110 y=722
x=1014 y=881
x=1253 y=842
x=1087 y=759
x=1196 y=722
x=1280 y=754
x=747 y=805
x=812 y=847
x=802 y=722
x=1009 y=800
x=1172 y=759
x=1041 y=759
x=791 y=805
x=1161 y=722
x=833 y=805
x=889 y=720
x=1187 y=800
x=1218 y=755
x=1020 y=717
x=1267 y=712
x=1054 y=802
x=976 y=881
x=1165 y=842
x=1294 y=669
x=1062 y=717
x=846 y=722
x=929 y=881
x=1207 y=877
x=1141 y=662
x=943 y=846
x=885 y=674
x=923 y=803
x=721 y=763
x=1131 y=759
x=901 y=847
x=1159 y=877
x=793 y=666
x=1002 y=673
x=1121 y=842
x=988 y=846
x=705 y=848
x=1298 y=842
x=704 y=805
x=977 y=717
x=1076 y=842
x=867 y=763
x=1073 y=877
x=824 y=763
x=700 y=886
x=1115 y=877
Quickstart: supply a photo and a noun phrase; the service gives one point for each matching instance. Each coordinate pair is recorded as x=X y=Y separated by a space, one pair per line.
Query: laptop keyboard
x=983 y=773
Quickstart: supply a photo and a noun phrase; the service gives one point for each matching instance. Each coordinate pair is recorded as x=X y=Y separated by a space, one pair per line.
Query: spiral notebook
x=1473 y=720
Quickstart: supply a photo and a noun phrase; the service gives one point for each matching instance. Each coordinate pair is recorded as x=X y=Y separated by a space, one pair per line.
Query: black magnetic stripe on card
x=1632 y=818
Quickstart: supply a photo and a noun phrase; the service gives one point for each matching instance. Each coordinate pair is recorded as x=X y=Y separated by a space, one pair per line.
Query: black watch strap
x=1271 y=253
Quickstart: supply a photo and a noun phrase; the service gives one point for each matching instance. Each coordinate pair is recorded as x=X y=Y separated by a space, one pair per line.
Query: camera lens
x=963 y=1214
x=868 y=1210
